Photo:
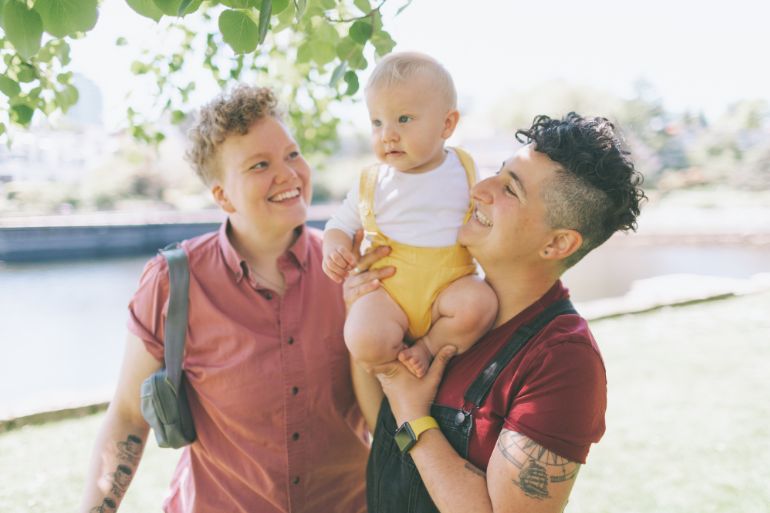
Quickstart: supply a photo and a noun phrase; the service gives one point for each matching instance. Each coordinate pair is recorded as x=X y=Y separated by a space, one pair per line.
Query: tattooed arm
x=120 y=443
x=525 y=476
x=521 y=475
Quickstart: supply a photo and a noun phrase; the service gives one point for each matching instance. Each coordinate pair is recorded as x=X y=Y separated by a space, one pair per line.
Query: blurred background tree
x=310 y=51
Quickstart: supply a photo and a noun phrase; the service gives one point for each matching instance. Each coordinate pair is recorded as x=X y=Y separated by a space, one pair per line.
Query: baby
x=414 y=201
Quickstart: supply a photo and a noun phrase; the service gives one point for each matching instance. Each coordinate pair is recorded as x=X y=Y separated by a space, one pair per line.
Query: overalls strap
x=366 y=187
x=470 y=174
x=479 y=389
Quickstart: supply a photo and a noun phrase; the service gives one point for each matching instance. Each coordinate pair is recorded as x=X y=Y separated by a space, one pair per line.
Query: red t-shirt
x=268 y=384
x=554 y=391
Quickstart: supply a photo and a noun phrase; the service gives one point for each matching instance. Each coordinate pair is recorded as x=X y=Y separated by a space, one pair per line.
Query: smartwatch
x=409 y=432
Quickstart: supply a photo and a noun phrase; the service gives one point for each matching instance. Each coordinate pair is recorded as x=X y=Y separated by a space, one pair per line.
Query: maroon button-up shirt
x=268 y=383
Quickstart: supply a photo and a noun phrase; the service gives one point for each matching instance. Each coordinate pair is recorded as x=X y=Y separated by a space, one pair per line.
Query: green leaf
x=363 y=5
x=2 y=128
x=352 y=52
x=64 y=78
x=67 y=97
x=383 y=43
x=121 y=41
x=323 y=53
x=401 y=9
x=174 y=7
x=328 y=4
x=23 y=28
x=67 y=17
x=9 y=87
x=352 y=80
x=265 y=11
x=26 y=73
x=238 y=4
x=22 y=114
x=238 y=31
x=177 y=116
x=279 y=6
x=337 y=73
x=304 y=53
x=301 y=6
x=183 y=6
x=2 y=8
x=360 y=31
x=146 y=8
x=358 y=61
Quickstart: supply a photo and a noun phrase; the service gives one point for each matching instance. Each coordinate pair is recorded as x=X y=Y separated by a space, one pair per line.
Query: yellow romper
x=422 y=272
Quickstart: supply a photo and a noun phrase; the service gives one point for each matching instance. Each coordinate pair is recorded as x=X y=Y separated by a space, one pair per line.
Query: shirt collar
x=300 y=251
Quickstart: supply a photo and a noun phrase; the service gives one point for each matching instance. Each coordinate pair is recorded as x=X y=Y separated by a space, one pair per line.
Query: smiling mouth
x=481 y=218
x=284 y=196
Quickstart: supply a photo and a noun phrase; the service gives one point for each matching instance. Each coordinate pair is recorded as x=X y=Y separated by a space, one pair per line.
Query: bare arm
x=521 y=476
x=123 y=435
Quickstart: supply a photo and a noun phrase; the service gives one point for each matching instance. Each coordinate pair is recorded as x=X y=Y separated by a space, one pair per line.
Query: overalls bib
x=423 y=272
x=393 y=484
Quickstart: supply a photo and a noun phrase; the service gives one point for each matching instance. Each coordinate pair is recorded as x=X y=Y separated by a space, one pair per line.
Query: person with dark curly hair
x=506 y=425
x=267 y=371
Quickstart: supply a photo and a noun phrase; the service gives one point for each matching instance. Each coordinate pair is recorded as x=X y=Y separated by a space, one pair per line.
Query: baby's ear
x=450 y=123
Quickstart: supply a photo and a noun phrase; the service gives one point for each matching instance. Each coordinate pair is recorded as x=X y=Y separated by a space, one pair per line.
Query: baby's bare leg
x=374 y=329
x=462 y=313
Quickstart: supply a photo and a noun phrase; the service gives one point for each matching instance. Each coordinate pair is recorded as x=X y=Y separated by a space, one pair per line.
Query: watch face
x=405 y=438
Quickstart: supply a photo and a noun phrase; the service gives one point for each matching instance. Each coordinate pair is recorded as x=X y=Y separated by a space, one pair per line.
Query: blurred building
x=63 y=150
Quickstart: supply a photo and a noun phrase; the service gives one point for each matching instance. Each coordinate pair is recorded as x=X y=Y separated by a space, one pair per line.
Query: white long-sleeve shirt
x=422 y=209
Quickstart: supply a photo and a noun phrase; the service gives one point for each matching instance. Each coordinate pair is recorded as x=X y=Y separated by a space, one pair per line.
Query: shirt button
x=295 y=436
x=291 y=340
x=295 y=480
x=294 y=390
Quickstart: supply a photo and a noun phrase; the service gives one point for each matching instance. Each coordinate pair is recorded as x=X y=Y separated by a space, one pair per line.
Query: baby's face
x=410 y=122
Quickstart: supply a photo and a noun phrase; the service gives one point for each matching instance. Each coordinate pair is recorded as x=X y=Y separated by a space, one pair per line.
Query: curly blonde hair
x=228 y=113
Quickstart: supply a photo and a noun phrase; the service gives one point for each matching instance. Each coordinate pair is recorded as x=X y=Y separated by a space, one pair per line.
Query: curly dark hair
x=229 y=113
x=597 y=191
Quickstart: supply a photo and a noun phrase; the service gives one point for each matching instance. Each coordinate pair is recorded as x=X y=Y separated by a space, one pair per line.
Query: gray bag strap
x=176 y=319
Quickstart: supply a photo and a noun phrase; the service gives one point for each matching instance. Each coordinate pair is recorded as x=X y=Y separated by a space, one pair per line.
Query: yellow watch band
x=421 y=425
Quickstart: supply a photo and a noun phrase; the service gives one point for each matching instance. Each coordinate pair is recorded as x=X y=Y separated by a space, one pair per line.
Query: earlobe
x=563 y=244
x=450 y=123
x=220 y=197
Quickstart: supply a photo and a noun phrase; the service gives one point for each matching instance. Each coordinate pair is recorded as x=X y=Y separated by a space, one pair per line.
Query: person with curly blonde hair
x=267 y=372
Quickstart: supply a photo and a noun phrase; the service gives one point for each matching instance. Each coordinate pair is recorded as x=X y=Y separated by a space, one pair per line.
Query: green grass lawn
x=688 y=424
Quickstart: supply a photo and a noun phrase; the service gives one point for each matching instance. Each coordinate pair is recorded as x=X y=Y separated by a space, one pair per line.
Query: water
x=62 y=325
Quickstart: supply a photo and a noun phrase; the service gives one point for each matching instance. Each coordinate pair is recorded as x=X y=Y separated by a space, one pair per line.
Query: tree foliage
x=311 y=51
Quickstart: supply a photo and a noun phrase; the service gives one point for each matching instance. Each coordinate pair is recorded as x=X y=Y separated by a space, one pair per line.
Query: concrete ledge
x=52 y=415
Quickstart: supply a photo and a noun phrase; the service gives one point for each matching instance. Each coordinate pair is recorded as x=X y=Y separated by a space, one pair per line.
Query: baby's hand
x=338 y=262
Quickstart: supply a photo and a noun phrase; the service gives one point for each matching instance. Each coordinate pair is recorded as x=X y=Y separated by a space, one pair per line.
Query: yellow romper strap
x=366 y=188
x=470 y=173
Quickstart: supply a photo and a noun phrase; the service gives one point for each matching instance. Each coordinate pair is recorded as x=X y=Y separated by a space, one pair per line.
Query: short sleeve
x=147 y=309
x=347 y=218
x=562 y=401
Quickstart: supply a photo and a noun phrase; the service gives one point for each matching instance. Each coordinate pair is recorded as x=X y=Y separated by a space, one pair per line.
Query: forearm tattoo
x=538 y=467
x=128 y=453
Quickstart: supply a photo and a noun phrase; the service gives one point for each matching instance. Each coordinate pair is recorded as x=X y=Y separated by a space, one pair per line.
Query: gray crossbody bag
x=164 y=399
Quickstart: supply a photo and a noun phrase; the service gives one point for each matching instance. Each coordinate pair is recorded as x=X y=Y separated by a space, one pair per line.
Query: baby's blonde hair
x=397 y=68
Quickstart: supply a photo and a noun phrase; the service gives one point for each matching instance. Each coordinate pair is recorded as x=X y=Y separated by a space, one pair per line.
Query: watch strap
x=421 y=425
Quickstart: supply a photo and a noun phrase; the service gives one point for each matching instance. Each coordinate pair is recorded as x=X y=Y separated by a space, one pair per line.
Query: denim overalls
x=393 y=483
